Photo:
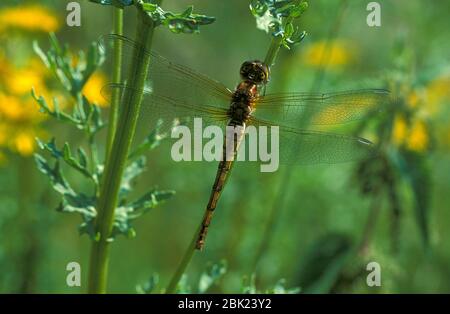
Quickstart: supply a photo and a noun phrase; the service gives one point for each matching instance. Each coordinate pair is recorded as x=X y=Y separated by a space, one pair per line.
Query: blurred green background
x=329 y=221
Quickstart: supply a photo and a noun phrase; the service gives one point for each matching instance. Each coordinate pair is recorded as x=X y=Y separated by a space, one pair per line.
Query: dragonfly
x=175 y=91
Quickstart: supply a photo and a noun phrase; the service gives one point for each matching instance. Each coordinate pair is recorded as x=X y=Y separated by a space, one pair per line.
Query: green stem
x=275 y=46
x=280 y=198
x=115 y=164
x=272 y=53
x=116 y=77
x=171 y=288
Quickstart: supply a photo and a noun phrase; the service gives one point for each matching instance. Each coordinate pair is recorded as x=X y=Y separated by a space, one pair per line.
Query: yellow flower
x=413 y=136
x=28 y=18
x=21 y=81
x=333 y=54
x=19 y=138
x=15 y=109
x=400 y=130
x=24 y=143
x=93 y=87
x=418 y=137
x=3 y=134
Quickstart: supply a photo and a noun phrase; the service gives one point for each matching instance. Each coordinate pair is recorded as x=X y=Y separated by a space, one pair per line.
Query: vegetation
x=301 y=229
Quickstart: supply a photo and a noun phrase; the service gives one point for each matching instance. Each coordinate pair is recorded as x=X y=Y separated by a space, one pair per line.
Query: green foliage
x=211 y=275
x=116 y=3
x=414 y=168
x=186 y=22
x=87 y=117
x=150 y=142
x=277 y=16
x=398 y=165
x=249 y=287
x=73 y=75
x=149 y=286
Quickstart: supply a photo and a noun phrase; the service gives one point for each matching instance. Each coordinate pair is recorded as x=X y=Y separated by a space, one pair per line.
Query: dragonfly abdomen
x=231 y=143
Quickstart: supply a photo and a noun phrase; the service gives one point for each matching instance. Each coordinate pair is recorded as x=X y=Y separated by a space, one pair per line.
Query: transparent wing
x=169 y=109
x=297 y=109
x=312 y=147
x=171 y=78
x=172 y=91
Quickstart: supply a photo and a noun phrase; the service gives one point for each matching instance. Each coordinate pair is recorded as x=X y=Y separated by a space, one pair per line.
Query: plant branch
x=117 y=160
x=116 y=77
x=171 y=288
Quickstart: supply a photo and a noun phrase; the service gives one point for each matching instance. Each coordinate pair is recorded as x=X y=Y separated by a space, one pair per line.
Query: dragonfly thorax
x=242 y=102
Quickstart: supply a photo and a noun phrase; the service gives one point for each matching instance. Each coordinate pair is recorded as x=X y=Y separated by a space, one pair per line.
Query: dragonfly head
x=255 y=71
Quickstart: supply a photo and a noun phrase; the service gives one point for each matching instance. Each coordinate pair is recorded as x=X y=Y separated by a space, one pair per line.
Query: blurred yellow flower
x=399 y=130
x=428 y=100
x=28 y=18
x=92 y=89
x=19 y=114
x=437 y=92
x=3 y=134
x=418 y=137
x=20 y=81
x=334 y=54
x=24 y=142
x=413 y=136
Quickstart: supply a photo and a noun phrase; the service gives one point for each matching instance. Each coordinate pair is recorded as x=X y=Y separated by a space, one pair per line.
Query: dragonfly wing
x=168 y=78
x=299 y=109
x=296 y=146
x=170 y=110
x=172 y=91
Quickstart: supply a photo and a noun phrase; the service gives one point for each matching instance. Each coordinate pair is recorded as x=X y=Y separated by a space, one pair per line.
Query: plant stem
x=116 y=77
x=171 y=288
x=115 y=164
x=372 y=218
x=280 y=198
x=272 y=53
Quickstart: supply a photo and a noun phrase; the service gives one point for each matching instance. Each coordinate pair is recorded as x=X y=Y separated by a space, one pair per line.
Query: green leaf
x=249 y=284
x=82 y=157
x=71 y=75
x=66 y=155
x=55 y=113
x=211 y=275
x=55 y=175
x=152 y=141
x=280 y=288
x=414 y=168
x=50 y=147
x=74 y=163
x=130 y=173
x=148 y=201
x=71 y=202
x=186 y=22
x=276 y=17
x=149 y=286
x=116 y=3
x=126 y=213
